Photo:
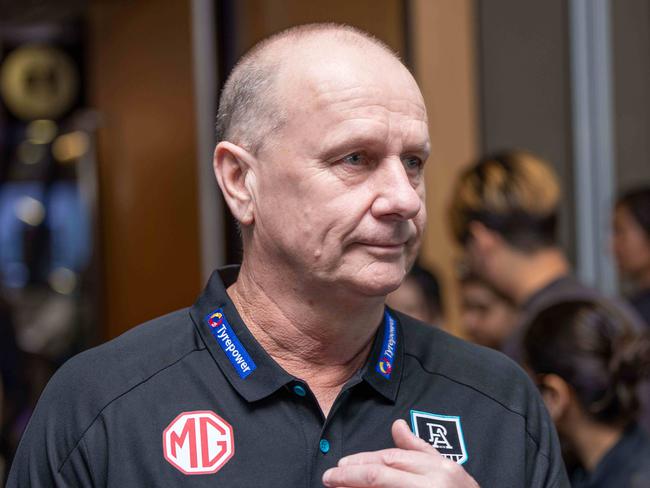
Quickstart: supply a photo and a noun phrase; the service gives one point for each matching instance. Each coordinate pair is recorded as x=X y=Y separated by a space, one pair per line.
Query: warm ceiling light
x=71 y=146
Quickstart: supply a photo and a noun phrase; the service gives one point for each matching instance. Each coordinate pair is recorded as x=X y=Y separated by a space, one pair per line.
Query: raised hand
x=413 y=463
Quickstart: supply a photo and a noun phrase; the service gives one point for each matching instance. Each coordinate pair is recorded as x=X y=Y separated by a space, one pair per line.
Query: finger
x=369 y=476
x=411 y=461
x=405 y=439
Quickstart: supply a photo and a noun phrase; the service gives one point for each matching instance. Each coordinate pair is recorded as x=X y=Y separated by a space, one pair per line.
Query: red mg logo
x=198 y=442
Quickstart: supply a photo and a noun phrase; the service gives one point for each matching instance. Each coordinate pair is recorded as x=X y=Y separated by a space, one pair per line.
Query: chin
x=379 y=280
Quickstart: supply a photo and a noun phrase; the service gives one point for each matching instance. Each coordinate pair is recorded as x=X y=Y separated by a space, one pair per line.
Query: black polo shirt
x=626 y=465
x=641 y=303
x=191 y=399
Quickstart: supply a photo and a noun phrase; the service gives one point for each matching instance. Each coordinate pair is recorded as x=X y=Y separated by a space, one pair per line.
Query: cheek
x=421 y=218
x=632 y=250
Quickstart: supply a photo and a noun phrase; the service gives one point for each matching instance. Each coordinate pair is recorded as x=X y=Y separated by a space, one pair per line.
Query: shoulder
x=484 y=370
x=497 y=379
x=90 y=381
x=641 y=303
x=100 y=374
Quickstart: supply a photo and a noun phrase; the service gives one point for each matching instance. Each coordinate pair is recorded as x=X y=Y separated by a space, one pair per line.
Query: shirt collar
x=267 y=376
x=382 y=371
x=375 y=370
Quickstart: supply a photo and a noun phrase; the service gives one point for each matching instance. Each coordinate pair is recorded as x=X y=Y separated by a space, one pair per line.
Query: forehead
x=354 y=90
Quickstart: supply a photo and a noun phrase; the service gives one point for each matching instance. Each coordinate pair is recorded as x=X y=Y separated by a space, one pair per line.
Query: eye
x=355 y=159
x=412 y=163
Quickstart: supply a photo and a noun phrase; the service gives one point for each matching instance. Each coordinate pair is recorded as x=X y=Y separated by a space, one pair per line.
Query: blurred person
x=488 y=316
x=418 y=296
x=631 y=243
x=14 y=390
x=3 y=456
x=290 y=370
x=505 y=214
x=588 y=360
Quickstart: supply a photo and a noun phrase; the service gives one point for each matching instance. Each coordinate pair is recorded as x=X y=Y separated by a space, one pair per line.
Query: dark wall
x=524 y=86
x=631 y=44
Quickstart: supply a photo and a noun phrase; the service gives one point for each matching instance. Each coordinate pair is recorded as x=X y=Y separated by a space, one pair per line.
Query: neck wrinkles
x=325 y=341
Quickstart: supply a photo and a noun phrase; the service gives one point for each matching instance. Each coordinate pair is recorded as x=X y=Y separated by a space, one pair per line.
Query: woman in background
x=631 y=245
x=489 y=318
x=588 y=361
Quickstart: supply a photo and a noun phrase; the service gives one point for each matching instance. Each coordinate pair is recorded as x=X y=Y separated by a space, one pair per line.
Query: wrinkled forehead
x=344 y=75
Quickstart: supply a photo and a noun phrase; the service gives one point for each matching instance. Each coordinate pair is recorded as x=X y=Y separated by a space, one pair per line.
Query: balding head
x=252 y=104
x=336 y=193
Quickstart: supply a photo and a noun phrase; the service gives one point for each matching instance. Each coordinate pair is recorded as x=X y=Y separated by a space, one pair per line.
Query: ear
x=232 y=167
x=483 y=238
x=557 y=396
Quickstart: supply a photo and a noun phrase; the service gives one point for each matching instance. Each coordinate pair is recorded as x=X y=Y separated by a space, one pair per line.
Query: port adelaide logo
x=443 y=432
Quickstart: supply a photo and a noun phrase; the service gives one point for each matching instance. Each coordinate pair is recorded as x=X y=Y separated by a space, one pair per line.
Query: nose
x=397 y=193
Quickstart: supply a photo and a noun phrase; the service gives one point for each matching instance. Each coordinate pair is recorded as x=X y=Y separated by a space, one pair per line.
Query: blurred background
x=110 y=215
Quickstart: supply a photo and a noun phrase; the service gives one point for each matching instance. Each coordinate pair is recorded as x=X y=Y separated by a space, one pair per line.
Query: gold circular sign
x=38 y=82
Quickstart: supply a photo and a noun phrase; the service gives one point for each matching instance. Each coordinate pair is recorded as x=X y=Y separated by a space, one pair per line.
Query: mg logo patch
x=198 y=442
x=443 y=432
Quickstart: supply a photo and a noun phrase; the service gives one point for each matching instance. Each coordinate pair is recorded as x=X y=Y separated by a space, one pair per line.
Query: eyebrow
x=417 y=147
x=368 y=139
x=350 y=142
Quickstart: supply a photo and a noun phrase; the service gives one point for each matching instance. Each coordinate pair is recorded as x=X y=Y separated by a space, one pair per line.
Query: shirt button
x=324 y=446
x=299 y=390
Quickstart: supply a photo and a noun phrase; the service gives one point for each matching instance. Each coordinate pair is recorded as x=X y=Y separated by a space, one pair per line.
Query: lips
x=386 y=244
x=384 y=248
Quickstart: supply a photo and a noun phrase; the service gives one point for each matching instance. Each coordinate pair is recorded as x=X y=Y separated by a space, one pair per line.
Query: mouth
x=384 y=248
x=386 y=245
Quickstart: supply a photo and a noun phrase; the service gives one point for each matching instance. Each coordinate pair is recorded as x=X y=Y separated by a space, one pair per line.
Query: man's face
x=340 y=189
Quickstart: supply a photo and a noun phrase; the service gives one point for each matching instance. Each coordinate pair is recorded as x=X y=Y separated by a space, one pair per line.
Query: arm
x=52 y=451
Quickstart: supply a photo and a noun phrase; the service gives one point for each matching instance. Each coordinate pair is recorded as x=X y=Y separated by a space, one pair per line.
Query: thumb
x=405 y=439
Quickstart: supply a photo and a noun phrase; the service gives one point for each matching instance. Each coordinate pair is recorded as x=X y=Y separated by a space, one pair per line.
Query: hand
x=413 y=463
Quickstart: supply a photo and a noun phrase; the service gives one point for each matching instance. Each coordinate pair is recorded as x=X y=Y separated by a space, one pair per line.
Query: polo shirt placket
x=324 y=437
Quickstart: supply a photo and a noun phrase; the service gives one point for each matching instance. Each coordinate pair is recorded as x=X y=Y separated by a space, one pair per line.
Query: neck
x=533 y=272
x=592 y=441
x=313 y=334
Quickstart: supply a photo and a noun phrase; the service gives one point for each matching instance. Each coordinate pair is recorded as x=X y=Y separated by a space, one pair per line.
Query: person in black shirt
x=290 y=370
x=588 y=360
x=631 y=245
x=504 y=213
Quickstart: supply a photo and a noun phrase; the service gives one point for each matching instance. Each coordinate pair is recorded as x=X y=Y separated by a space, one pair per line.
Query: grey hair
x=249 y=109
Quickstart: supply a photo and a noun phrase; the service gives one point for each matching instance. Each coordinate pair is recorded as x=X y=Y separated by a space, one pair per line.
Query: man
x=504 y=212
x=290 y=371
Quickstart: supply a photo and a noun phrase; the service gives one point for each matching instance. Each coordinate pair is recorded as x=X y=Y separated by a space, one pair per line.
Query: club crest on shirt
x=444 y=432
